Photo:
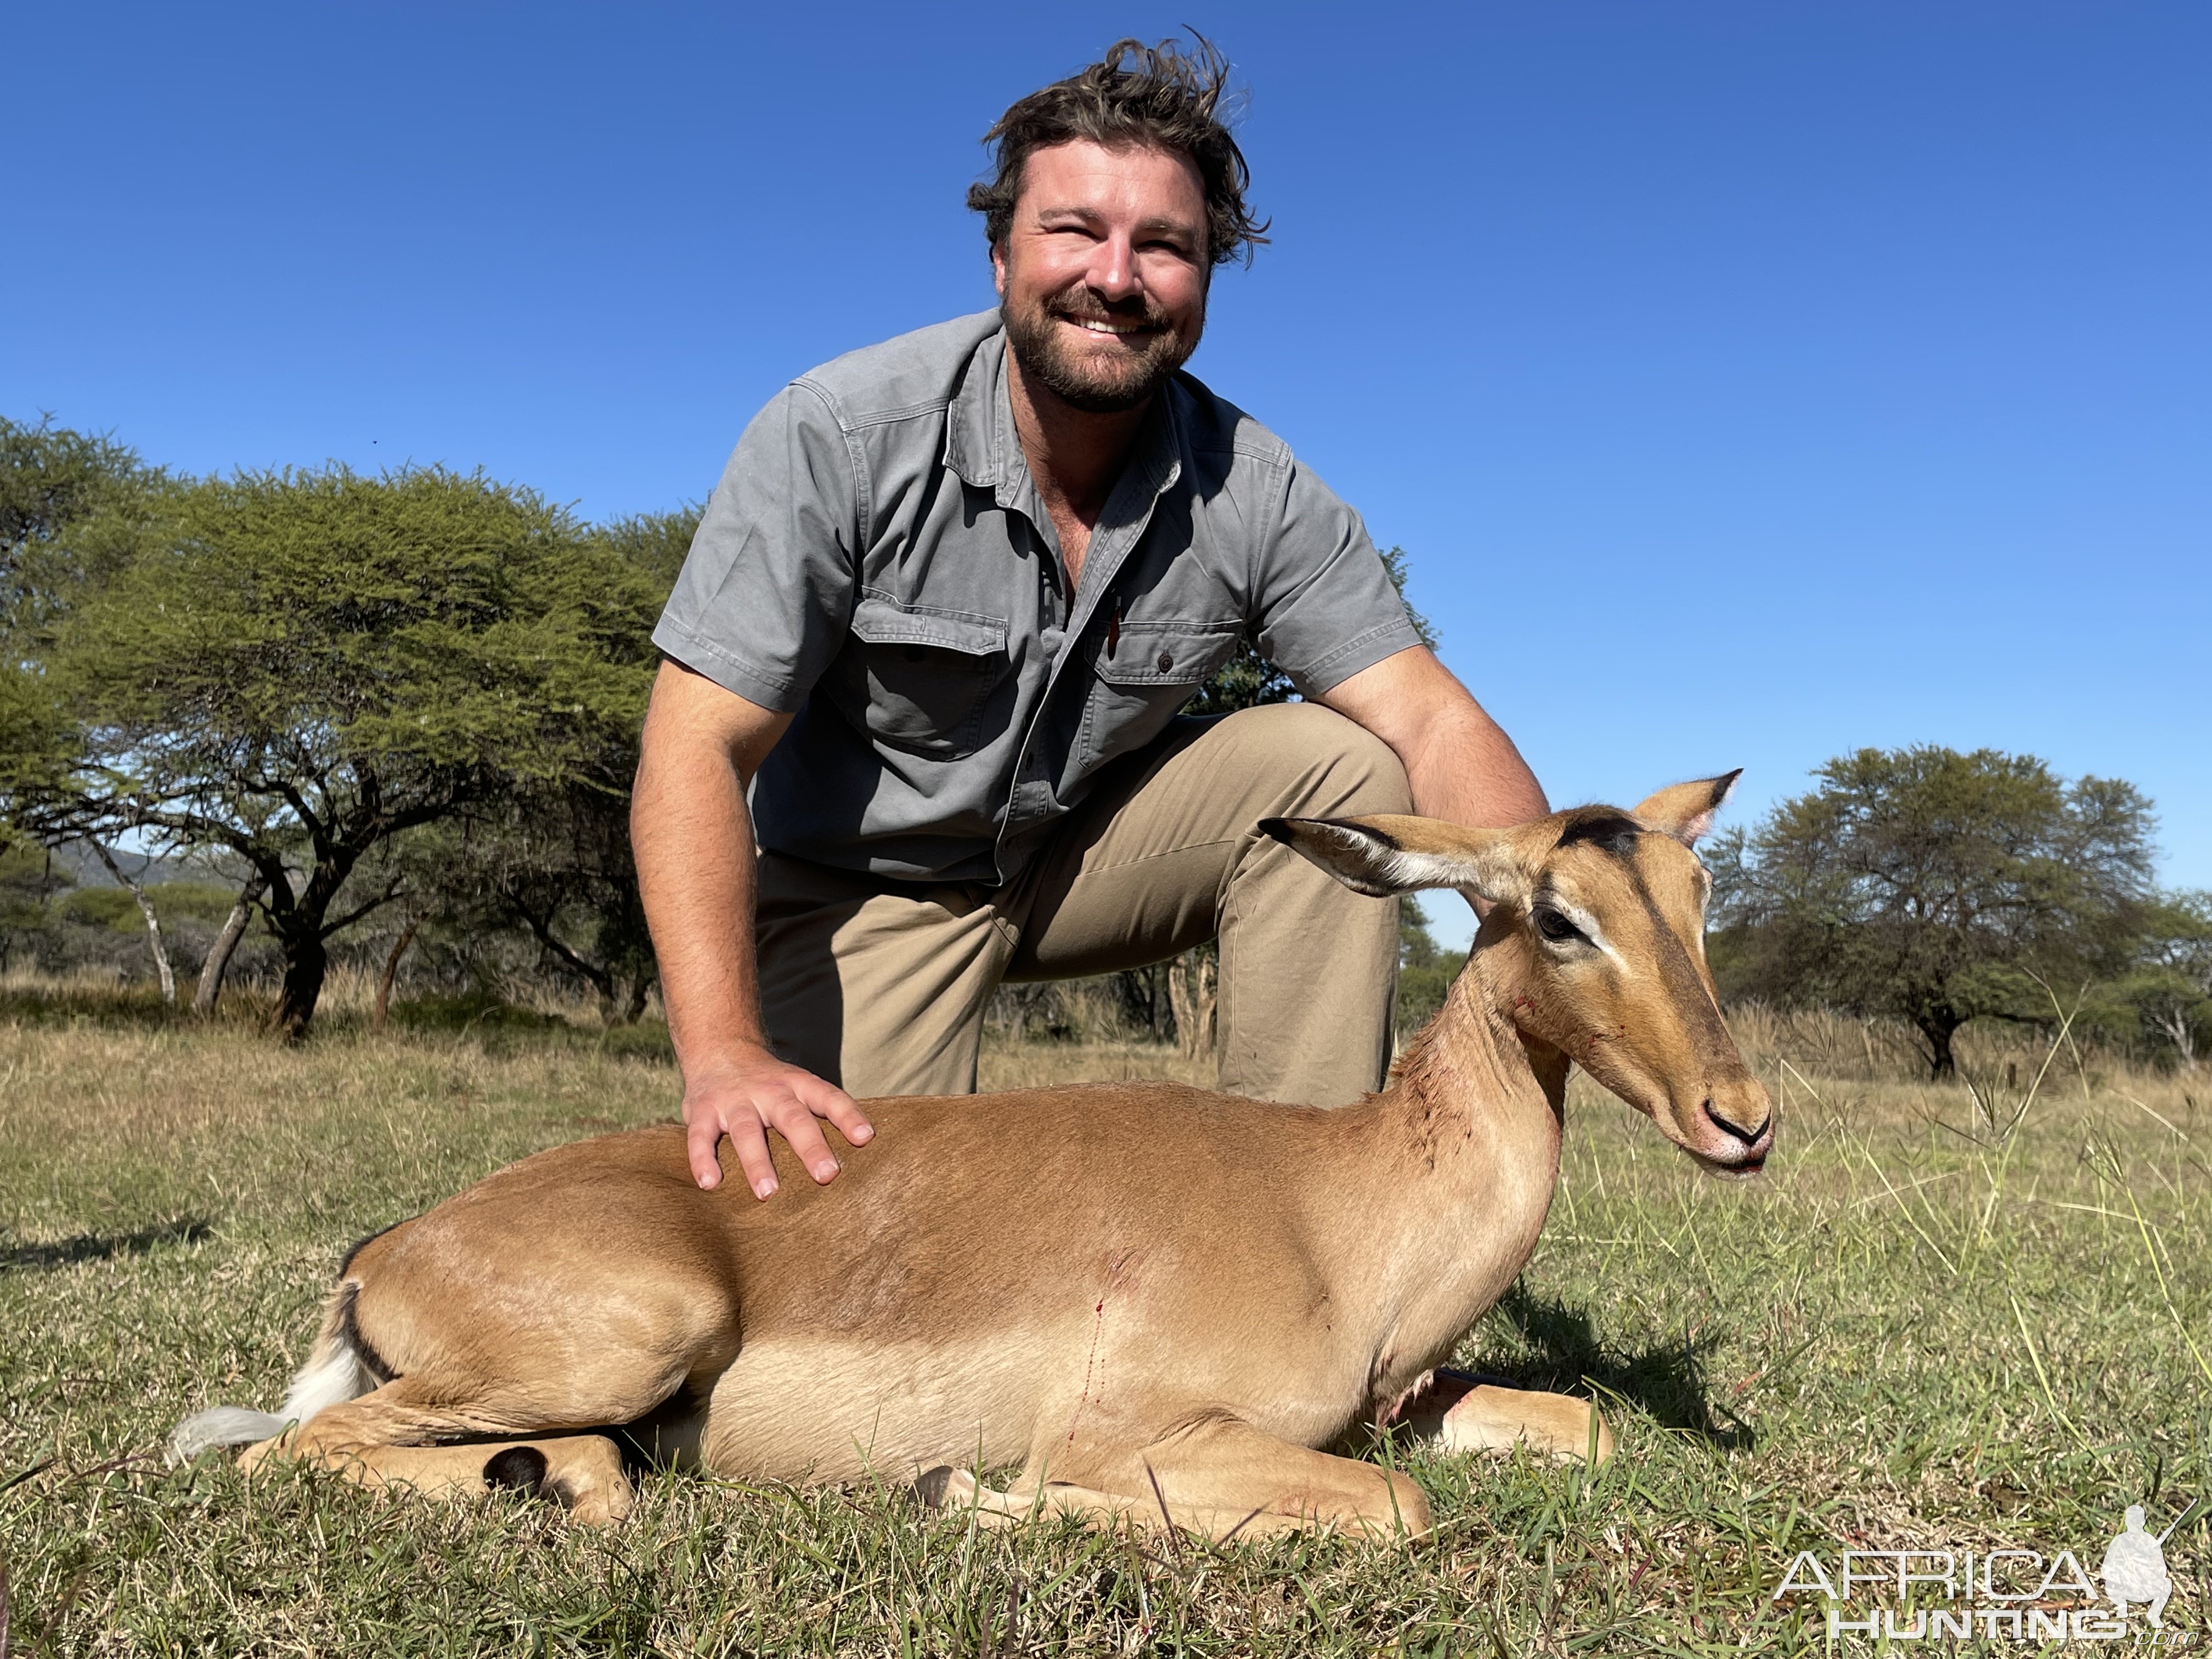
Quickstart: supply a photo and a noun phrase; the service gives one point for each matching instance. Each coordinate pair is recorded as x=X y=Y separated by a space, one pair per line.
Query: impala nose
x=1728 y=1126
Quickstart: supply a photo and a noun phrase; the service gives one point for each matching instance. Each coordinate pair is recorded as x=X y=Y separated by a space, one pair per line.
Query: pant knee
x=1329 y=764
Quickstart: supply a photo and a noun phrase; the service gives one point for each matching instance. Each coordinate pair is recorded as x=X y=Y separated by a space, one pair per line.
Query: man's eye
x=1556 y=927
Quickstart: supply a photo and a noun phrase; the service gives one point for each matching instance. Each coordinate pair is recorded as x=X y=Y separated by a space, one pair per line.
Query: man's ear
x=1685 y=810
x=1390 y=854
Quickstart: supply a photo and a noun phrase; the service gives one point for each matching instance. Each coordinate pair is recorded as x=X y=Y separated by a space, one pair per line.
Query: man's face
x=1103 y=273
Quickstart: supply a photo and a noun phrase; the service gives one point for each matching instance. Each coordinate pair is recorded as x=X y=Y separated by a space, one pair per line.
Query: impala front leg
x=1453 y=1411
x=1219 y=1478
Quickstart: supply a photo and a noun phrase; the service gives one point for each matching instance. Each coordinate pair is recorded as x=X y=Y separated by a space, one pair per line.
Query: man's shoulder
x=912 y=374
x=1215 y=427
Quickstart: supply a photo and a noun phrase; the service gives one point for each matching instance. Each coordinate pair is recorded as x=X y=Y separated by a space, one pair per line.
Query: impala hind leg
x=401 y=1436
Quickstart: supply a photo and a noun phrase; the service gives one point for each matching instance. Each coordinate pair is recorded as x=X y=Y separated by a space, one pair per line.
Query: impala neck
x=1461 y=1158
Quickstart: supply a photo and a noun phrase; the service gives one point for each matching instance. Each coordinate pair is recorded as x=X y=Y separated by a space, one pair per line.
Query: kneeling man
x=930 y=644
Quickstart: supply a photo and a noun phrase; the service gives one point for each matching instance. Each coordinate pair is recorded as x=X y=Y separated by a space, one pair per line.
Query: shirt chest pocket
x=1142 y=682
x=920 y=679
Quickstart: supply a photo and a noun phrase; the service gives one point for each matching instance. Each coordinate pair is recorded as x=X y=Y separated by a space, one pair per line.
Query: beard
x=1098 y=381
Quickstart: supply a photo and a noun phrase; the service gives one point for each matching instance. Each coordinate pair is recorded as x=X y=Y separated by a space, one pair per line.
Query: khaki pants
x=880 y=987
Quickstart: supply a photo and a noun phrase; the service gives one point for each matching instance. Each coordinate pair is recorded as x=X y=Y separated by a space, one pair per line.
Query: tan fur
x=1160 y=1302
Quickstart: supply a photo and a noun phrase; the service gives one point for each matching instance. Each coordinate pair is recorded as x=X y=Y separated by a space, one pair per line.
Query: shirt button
x=1167 y=661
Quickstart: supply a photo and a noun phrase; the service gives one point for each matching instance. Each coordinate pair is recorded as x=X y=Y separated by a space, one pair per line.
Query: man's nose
x=1113 y=272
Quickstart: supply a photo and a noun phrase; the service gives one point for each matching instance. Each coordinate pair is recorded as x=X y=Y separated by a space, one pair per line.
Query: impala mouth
x=1716 y=1147
x=1738 y=1169
x=1729 y=1155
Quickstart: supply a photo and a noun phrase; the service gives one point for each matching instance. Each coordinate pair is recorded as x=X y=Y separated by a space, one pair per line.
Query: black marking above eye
x=1553 y=926
x=1601 y=827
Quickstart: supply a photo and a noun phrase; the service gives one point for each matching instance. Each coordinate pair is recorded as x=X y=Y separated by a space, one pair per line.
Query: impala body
x=1162 y=1303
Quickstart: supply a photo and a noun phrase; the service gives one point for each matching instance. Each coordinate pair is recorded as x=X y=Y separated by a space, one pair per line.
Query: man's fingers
x=799 y=1128
x=702 y=1135
x=828 y=1100
x=783 y=1099
x=750 y=1141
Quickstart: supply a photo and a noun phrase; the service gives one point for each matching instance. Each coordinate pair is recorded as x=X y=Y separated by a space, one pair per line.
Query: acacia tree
x=1935 y=887
x=552 y=857
x=300 y=666
x=67 y=499
x=2170 y=992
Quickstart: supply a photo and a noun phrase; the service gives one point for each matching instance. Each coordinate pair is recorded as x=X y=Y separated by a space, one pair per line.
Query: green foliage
x=431 y=627
x=1248 y=680
x=53 y=480
x=70 y=503
x=173 y=902
x=1425 y=971
x=28 y=881
x=2167 y=997
x=1934 y=886
x=299 y=666
x=1396 y=561
x=552 y=859
x=654 y=544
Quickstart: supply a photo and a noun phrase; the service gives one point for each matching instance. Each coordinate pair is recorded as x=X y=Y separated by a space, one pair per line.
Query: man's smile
x=1108 y=325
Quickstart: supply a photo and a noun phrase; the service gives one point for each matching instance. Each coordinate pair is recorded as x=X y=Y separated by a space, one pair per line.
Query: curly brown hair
x=1162 y=97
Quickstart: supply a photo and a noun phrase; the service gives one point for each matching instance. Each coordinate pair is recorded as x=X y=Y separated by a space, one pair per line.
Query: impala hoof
x=945 y=1487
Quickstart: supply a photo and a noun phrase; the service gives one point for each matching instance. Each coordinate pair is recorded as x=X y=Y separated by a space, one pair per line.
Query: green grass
x=1912 y=1332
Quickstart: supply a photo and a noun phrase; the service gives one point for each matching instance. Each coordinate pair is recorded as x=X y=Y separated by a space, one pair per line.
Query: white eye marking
x=1584 y=923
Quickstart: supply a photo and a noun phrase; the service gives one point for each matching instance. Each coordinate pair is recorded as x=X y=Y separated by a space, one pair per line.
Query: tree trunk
x=601 y=980
x=307 y=960
x=2174 y=1024
x=639 y=989
x=390 y=972
x=1939 y=1028
x=218 y=958
x=1191 y=995
x=153 y=939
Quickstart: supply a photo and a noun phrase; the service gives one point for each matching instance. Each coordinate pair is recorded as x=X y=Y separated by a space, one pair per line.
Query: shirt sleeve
x=1325 y=606
x=765 y=595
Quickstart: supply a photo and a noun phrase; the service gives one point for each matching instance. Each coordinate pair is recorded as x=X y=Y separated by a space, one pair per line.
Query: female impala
x=1160 y=1301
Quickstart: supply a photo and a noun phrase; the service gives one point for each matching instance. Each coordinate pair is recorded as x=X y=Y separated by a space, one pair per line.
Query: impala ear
x=1685 y=810
x=1389 y=854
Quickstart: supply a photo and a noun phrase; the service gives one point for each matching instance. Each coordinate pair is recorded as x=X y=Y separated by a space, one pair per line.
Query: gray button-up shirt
x=877 y=562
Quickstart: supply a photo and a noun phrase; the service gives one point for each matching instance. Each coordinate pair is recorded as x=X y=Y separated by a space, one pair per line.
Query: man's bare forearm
x=693 y=840
x=1463 y=768
x=692 y=837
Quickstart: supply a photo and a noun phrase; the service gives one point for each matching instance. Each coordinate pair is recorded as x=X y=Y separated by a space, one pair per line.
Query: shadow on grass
x=1667 y=1380
x=100 y=1247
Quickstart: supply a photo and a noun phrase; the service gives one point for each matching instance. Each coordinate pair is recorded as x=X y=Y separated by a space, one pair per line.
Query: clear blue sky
x=1748 y=382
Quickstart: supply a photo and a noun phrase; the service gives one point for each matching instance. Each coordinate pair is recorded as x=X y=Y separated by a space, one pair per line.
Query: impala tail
x=334 y=1373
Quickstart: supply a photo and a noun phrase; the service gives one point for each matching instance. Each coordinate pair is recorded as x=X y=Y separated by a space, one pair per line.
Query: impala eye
x=1554 y=927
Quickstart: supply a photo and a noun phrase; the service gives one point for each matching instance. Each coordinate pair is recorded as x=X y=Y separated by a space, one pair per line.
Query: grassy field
x=1927 y=1327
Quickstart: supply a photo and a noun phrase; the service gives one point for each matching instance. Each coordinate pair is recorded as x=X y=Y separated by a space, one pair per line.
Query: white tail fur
x=333 y=1374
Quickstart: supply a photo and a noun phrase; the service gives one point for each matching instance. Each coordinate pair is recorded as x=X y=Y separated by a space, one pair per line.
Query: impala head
x=1595 y=944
